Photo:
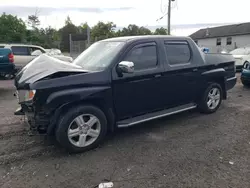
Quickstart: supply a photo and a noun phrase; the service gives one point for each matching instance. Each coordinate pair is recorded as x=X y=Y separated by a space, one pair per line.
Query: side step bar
x=155 y=115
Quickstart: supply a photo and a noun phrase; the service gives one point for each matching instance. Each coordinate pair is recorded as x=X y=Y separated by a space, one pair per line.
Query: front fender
x=66 y=96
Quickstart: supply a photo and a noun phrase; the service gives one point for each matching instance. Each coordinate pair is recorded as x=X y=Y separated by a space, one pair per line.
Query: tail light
x=11 y=57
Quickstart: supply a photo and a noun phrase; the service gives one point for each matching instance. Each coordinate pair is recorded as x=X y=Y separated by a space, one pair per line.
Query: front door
x=139 y=92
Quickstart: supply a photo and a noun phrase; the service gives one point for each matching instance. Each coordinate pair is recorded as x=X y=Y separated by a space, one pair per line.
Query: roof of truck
x=128 y=38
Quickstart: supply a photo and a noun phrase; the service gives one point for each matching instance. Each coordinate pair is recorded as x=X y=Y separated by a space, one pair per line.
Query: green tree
x=161 y=31
x=33 y=20
x=102 y=31
x=133 y=30
x=144 y=31
x=33 y=36
x=84 y=26
x=68 y=21
x=69 y=28
x=12 y=29
x=49 y=37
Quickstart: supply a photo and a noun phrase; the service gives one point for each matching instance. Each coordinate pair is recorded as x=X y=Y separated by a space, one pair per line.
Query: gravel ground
x=185 y=150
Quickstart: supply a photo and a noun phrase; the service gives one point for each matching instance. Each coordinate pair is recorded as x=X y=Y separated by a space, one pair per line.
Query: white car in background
x=54 y=51
x=24 y=53
x=58 y=54
x=242 y=57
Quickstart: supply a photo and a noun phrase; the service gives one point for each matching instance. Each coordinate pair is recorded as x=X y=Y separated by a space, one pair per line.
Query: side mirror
x=126 y=67
x=36 y=53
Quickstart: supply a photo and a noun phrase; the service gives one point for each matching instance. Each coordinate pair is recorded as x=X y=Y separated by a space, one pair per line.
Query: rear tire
x=81 y=128
x=211 y=99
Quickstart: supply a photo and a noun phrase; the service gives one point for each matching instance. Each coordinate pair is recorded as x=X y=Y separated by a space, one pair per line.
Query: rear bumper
x=231 y=82
x=7 y=68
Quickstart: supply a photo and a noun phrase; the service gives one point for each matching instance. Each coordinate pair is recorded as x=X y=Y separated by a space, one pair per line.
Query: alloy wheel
x=84 y=130
x=213 y=98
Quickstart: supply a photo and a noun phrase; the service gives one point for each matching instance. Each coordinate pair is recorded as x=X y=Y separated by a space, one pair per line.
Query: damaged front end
x=36 y=116
x=31 y=97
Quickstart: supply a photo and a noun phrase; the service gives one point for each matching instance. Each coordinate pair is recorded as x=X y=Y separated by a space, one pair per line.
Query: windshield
x=241 y=51
x=99 y=55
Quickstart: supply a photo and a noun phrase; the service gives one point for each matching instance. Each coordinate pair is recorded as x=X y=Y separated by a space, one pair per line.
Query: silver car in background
x=24 y=53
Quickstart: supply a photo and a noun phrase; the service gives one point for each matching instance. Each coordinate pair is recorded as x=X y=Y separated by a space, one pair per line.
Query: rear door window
x=178 y=53
x=20 y=50
x=143 y=56
x=32 y=49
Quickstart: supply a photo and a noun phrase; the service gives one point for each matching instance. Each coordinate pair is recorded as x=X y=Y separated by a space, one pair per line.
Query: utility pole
x=88 y=35
x=70 y=44
x=169 y=15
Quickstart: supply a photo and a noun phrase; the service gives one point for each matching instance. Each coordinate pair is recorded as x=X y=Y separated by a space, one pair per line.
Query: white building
x=226 y=37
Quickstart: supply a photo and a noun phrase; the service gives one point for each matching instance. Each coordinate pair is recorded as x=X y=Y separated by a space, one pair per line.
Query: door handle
x=195 y=70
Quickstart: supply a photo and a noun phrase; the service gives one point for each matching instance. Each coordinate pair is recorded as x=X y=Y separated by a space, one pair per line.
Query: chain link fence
x=79 y=42
x=77 y=47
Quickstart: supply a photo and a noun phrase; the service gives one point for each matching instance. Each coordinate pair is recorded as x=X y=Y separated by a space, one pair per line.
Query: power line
x=162 y=17
x=167 y=8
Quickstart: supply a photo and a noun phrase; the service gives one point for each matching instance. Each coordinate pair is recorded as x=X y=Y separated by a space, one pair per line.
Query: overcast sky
x=185 y=13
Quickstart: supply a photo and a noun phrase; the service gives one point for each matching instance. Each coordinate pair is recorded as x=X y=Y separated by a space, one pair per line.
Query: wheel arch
x=97 y=102
x=217 y=76
x=221 y=81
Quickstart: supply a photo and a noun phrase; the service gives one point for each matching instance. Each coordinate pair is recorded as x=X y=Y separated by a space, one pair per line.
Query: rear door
x=22 y=55
x=181 y=74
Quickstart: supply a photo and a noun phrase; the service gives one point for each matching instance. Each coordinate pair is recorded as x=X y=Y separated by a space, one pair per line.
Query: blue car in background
x=245 y=75
x=7 y=66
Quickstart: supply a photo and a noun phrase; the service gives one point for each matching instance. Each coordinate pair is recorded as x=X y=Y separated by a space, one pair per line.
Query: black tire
x=69 y=116
x=203 y=106
x=245 y=83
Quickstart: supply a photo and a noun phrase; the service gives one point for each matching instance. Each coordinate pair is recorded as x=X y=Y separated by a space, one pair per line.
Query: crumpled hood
x=43 y=66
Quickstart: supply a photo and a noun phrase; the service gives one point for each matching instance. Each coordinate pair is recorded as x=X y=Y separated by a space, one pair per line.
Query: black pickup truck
x=120 y=82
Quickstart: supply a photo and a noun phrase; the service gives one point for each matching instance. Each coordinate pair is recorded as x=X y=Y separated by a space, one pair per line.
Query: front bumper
x=231 y=82
x=37 y=121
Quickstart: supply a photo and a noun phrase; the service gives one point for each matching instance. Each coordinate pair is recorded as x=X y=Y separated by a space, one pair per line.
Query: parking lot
x=185 y=150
